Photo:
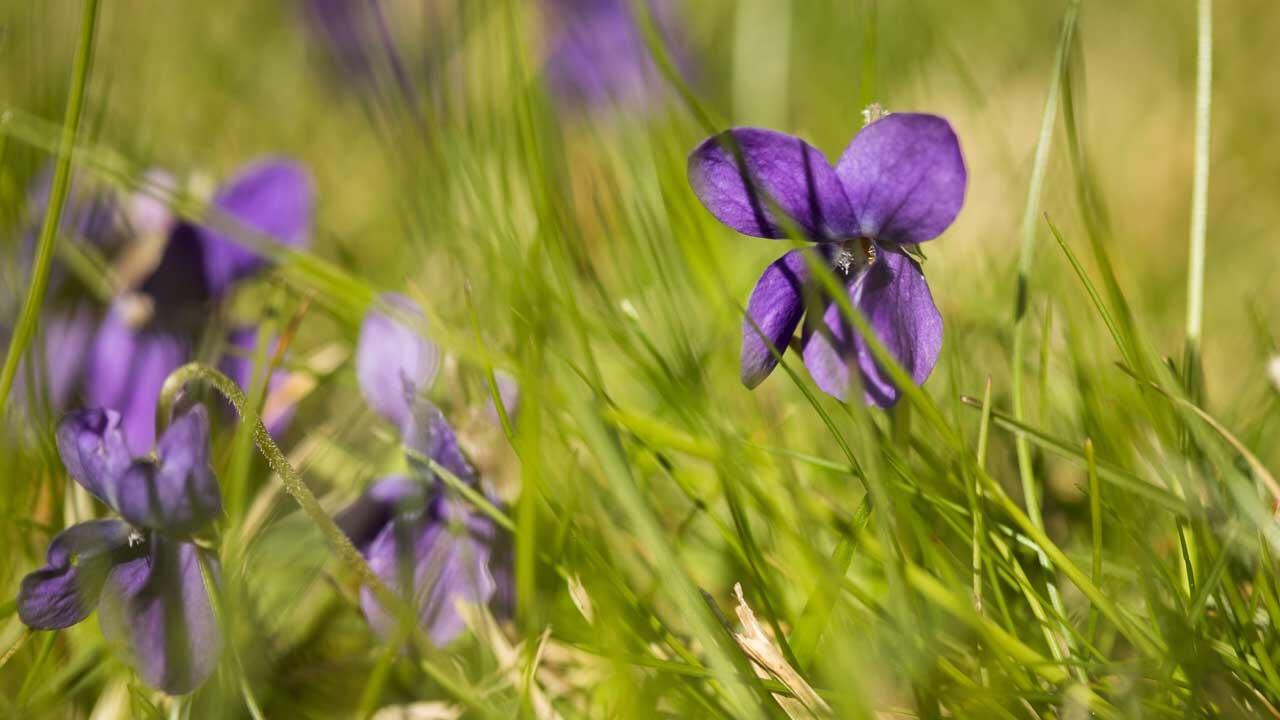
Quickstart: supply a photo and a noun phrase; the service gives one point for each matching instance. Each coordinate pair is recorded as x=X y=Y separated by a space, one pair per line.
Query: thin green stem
x=1199 y=192
x=29 y=318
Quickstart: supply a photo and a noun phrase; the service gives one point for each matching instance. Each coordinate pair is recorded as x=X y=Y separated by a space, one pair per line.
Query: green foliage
x=1060 y=522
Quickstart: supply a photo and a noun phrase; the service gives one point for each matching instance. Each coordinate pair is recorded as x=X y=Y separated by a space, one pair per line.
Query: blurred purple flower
x=597 y=53
x=395 y=362
x=152 y=328
x=423 y=543
x=358 y=39
x=141 y=573
x=900 y=182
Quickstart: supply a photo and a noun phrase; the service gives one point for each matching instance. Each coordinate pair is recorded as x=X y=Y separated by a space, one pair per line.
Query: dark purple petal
x=66 y=589
x=773 y=312
x=238 y=362
x=273 y=197
x=904 y=177
x=178 y=286
x=365 y=518
x=126 y=368
x=158 y=607
x=394 y=361
x=94 y=450
x=431 y=435
x=895 y=299
x=779 y=170
x=177 y=493
x=444 y=557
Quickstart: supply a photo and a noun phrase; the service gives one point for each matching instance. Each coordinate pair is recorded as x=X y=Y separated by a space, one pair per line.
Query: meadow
x=401 y=359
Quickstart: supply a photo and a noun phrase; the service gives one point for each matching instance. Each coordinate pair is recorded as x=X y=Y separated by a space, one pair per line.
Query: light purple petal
x=67 y=339
x=773 y=312
x=904 y=177
x=365 y=518
x=94 y=451
x=126 y=368
x=895 y=299
x=177 y=493
x=394 y=361
x=158 y=607
x=777 y=169
x=66 y=589
x=273 y=197
x=445 y=554
x=431 y=435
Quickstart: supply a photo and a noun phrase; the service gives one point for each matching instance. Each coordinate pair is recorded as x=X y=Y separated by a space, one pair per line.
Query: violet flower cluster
x=170 y=275
x=142 y=571
x=900 y=182
x=427 y=545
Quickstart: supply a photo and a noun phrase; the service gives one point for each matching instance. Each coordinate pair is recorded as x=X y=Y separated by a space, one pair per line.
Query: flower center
x=854 y=255
x=136 y=538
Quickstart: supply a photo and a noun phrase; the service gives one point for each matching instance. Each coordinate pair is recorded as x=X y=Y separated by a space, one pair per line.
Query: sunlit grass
x=894 y=559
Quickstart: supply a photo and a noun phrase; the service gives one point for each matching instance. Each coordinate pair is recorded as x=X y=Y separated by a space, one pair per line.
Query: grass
x=1062 y=522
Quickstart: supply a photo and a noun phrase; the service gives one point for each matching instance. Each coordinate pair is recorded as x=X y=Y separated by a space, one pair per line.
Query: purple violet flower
x=900 y=182
x=426 y=545
x=597 y=53
x=142 y=573
x=153 y=327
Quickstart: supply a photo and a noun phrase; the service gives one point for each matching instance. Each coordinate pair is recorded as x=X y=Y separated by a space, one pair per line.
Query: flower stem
x=1199 y=197
x=29 y=319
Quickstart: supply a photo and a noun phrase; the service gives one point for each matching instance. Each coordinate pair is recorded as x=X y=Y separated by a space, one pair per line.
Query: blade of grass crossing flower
x=1199 y=197
x=29 y=318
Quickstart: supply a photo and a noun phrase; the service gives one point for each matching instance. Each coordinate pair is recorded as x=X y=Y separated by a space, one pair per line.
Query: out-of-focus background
x=551 y=232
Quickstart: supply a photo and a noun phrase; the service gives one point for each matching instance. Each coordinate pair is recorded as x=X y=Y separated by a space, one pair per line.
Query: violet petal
x=393 y=360
x=177 y=493
x=895 y=299
x=445 y=557
x=773 y=312
x=159 y=608
x=66 y=589
x=273 y=197
x=126 y=368
x=66 y=344
x=904 y=177
x=779 y=169
x=94 y=451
